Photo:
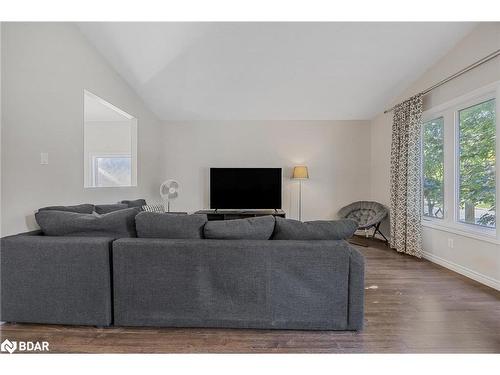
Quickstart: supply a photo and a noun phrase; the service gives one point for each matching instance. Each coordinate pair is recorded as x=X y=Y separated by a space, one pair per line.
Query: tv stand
x=218 y=214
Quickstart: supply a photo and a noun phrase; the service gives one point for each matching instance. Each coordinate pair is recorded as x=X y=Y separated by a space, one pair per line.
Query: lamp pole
x=300 y=173
x=300 y=199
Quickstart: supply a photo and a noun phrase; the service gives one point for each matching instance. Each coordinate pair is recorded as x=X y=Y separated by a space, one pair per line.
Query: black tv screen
x=245 y=188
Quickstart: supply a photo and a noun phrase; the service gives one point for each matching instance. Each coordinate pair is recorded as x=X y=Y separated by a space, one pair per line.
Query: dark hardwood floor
x=412 y=306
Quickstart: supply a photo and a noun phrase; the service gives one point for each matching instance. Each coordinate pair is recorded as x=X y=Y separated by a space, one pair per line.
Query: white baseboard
x=483 y=279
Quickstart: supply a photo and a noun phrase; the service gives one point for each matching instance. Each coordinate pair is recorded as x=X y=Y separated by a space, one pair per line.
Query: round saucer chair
x=366 y=214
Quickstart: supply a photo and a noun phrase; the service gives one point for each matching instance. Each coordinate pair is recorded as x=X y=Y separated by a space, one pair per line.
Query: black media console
x=238 y=214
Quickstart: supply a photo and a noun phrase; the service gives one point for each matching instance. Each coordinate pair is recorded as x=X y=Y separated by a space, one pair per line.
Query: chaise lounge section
x=310 y=285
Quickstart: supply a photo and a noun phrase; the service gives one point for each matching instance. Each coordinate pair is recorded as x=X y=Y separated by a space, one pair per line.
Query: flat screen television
x=245 y=188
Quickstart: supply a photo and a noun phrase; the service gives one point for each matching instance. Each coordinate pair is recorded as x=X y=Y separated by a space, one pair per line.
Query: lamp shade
x=300 y=172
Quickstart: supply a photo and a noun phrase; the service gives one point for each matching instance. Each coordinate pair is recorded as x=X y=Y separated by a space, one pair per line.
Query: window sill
x=486 y=236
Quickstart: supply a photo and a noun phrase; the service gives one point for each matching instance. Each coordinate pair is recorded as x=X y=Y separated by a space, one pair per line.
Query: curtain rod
x=457 y=74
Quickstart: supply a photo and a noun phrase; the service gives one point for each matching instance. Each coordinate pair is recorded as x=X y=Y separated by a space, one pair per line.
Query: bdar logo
x=24 y=346
x=8 y=346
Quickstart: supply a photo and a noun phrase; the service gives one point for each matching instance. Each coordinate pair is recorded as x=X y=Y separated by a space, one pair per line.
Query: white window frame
x=449 y=111
x=466 y=226
x=93 y=164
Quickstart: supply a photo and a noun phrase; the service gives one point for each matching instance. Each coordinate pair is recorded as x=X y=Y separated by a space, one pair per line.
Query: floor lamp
x=300 y=173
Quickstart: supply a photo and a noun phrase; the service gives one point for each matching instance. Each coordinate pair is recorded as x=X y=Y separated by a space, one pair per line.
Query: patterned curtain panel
x=406 y=208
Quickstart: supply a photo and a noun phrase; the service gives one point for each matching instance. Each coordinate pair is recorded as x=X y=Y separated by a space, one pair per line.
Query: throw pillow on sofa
x=287 y=229
x=159 y=208
x=79 y=208
x=174 y=226
x=102 y=209
x=254 y=228
x=116 y=224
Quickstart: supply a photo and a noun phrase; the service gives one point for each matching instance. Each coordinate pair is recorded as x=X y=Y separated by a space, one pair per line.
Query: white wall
x=45 y=68
x=108 y=137
x=475 y=258
x=336 y=152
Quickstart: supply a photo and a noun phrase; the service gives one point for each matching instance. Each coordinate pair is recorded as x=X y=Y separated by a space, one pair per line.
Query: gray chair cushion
x=102 y=209
x=134 y=203
x=116 y=224
x=365 y=213
x=79 y=208
x=157 y=225
x=287 y=229
x=254 y=228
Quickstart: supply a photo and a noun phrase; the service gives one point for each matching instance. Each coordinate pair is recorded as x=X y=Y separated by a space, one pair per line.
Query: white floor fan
x=169 y=190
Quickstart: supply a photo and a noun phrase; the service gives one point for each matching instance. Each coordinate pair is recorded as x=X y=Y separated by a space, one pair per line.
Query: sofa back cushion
x=102 y=209
x=116 y=224
x=134 y=203
x=79 y=208
x=287 y=229
x=254 y=228
x=174 y=226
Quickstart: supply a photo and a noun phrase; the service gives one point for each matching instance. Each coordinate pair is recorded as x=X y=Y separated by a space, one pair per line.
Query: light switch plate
x=44 y=158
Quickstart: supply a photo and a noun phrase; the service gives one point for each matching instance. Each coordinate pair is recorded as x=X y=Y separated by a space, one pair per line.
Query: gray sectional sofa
x=206 y=277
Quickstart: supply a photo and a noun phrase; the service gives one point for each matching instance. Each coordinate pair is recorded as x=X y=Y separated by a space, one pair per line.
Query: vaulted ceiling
x=271 y=71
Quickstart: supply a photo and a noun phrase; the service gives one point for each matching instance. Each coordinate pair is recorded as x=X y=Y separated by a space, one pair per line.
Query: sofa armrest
x=55 y=280
x=356 y=290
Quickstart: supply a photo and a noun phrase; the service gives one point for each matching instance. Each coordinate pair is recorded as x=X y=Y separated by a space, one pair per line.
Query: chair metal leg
x=377 y=230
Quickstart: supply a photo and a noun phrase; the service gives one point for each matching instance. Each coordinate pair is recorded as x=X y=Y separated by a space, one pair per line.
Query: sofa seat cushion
x=254 y=228
x=102 y=209
x=117 y=224
x=287 y=229
x=79 y=208
x=173 y=226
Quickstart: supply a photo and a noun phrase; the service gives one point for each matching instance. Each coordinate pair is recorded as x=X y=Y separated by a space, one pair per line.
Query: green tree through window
x=477 y=130
x=433 y=168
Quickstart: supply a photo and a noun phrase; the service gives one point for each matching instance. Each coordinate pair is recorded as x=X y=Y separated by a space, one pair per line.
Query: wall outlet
x=450 y=243
x=44 y=158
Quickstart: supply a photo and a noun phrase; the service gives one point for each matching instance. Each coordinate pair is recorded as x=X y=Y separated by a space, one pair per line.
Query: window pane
x=112 y=171
x=477 y=164
x=433 y=168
